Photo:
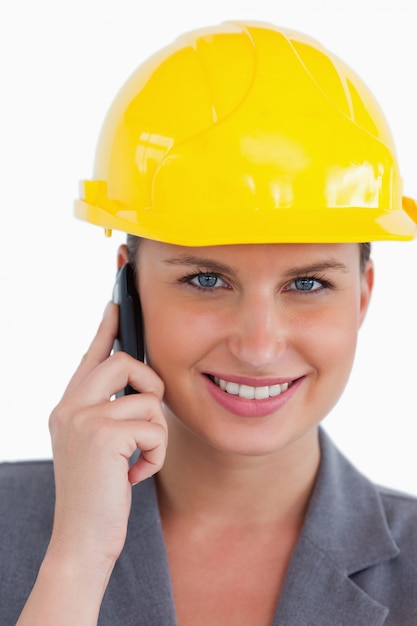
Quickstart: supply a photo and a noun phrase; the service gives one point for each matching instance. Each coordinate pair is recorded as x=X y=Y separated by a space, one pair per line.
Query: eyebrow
x=331 y=264
x=311 y=268
x=194 y=261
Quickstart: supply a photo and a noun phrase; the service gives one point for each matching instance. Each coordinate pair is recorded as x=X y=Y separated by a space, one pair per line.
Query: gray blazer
x=355 y=563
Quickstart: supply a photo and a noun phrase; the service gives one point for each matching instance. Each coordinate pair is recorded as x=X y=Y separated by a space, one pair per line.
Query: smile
x=248 y=392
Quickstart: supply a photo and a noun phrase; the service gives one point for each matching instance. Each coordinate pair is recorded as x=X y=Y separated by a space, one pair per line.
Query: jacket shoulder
x=401 y=515
x=27 y=496
x=26 y=485
x=394 y=582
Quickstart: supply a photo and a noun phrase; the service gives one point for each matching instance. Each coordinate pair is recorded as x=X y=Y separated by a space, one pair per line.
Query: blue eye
x=307 y=284
x=206 y=280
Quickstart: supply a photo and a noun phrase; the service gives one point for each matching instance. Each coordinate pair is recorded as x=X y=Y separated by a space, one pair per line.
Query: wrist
x=78 y=565
x=69 y=589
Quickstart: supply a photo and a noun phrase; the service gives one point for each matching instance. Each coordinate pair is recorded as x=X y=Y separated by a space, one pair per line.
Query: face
x=254 y=343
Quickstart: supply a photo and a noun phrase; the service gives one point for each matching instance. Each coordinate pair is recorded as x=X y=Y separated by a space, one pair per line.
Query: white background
x=61 y=65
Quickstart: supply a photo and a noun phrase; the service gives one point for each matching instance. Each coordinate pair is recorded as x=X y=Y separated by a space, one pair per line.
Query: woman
x=249 y=167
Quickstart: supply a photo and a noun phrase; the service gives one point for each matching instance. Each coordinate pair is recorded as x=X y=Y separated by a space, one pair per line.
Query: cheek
x=330 y=340
x=176 y=335
x=327 y=344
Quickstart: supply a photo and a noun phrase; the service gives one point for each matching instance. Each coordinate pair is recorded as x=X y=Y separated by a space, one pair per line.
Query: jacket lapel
x=345 y=532
x=318 y=591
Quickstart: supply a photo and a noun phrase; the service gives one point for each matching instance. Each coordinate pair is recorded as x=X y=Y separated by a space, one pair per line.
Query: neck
x=204 y=484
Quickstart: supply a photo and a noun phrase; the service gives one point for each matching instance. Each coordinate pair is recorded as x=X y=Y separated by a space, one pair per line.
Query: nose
x=259 y=335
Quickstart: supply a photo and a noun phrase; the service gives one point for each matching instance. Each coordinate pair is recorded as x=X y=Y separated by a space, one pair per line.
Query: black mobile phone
x=130 y=334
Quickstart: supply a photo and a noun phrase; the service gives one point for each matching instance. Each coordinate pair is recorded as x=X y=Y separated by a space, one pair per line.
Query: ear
x=122 y=256
x=367 y=283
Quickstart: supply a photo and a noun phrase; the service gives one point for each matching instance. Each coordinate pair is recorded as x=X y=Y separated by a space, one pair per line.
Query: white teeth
x=248 y=392
x=232 y=388
x=261 y=393
x=275 y=390
x=245 y=391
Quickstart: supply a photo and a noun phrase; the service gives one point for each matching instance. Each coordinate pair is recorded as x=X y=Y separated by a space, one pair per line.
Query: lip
x=251 y=380
x=252 y=408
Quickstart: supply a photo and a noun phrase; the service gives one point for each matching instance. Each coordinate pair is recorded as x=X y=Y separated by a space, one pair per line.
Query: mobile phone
x=130 y=334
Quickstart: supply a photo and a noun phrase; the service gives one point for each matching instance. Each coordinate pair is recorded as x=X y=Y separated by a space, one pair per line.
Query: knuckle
x=152 y=404
x=65 y=418
x=99 y=432
x=57 y=417
x=152 y=400
x=121 y=359
x=156 y=387
x=164 y=434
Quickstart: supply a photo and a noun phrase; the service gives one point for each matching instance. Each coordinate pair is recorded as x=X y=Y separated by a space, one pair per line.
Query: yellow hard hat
x=247 y=133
